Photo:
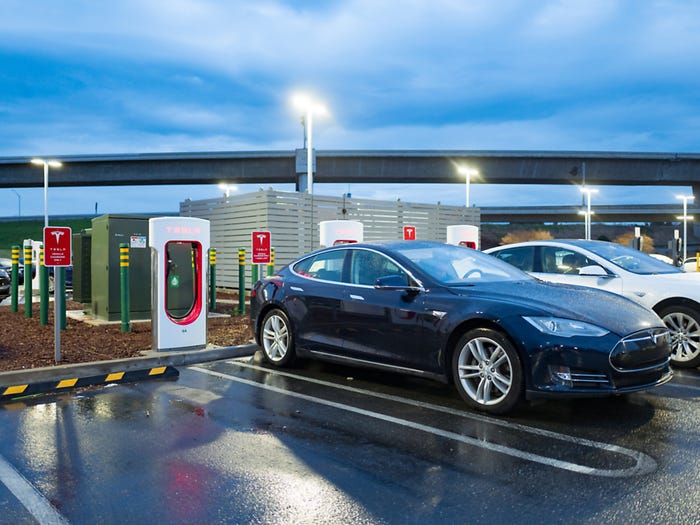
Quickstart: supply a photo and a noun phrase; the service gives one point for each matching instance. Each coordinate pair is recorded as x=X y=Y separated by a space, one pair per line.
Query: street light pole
x=685 y=199
x=46 y=164
x=467 y=172
x=309 y=152
x=309 y=107
x=588 y=192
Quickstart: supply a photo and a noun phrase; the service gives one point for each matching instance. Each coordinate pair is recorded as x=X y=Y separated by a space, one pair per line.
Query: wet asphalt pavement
x=234 y=442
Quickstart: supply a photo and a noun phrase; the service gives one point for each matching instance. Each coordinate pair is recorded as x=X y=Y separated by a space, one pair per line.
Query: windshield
x=459 y=265
x=631 y=260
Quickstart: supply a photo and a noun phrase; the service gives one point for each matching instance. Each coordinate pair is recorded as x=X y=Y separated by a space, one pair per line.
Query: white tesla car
x=671 y=292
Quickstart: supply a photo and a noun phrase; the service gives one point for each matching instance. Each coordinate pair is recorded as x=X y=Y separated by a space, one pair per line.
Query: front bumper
x=639 y=361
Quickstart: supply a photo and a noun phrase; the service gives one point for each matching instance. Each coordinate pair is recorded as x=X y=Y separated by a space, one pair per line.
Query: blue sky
x=140 y=76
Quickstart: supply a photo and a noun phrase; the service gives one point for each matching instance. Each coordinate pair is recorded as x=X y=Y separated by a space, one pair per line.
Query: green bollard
x=43 y=289
x=124 y=285
x=28 y=280
x=241 y=281
x=15 y=280
x=271 y=264
x=212 y=278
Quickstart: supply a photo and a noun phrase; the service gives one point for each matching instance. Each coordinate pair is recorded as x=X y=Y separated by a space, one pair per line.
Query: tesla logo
x=261 y=237
x=58 y=234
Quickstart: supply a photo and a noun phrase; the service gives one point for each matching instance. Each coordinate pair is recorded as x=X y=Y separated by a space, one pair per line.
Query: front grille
x=641 y=351
x=583 y=379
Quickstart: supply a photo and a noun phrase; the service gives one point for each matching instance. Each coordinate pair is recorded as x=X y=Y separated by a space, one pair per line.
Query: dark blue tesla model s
x=456 y=314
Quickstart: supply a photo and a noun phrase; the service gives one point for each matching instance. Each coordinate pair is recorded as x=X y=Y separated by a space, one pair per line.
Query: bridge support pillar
x=302 y=170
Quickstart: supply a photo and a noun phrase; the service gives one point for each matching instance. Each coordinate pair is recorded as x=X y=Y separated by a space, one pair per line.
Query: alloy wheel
x=485 y=371
x=685 y=336
x=275 y=337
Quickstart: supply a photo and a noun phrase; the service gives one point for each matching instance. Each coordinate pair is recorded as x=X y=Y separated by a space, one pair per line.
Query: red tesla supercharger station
x=179 y=264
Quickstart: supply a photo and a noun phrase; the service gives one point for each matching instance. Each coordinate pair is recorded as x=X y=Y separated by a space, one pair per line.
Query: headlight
x=565 y=327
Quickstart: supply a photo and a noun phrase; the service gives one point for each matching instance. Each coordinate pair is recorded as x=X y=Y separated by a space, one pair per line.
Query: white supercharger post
x=340 y=232
x=179 y=262
x=463 y=235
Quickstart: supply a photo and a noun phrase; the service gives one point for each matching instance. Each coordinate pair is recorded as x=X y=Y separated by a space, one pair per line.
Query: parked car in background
x=455 y=314
x=672 y=293
x=6 y=264
x=4 y=284
x=69 y=277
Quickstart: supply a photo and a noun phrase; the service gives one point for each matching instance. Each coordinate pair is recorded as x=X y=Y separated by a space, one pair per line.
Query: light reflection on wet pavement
x=234 y=443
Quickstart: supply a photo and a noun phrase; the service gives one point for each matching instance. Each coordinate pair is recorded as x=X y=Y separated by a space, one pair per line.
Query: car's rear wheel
x=487 y=371
x=276 y=338
x=684 y=324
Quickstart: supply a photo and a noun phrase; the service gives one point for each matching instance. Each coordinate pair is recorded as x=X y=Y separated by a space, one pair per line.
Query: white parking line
x=639 y=457
x=643 y=463
x=37 y=505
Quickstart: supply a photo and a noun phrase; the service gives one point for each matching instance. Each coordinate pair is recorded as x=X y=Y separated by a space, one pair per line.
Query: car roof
x=580 y=243
x=387 y=244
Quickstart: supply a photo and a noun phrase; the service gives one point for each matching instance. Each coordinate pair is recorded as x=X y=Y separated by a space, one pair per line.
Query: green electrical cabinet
x=108 y=231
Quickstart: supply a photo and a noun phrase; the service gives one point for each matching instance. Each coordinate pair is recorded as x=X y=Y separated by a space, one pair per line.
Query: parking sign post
x=57 y=253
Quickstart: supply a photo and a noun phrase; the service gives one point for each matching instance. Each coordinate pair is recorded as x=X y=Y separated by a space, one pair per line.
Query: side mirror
x=594 y=271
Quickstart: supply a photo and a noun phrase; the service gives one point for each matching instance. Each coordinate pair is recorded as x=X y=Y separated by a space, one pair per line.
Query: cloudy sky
x=141 y=76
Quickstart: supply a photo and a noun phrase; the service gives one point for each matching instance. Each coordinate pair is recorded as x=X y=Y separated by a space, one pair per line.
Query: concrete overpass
x=383 y=167
x=601 y=213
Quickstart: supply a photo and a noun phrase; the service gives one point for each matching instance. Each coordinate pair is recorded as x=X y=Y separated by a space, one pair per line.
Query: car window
x=563 y=260
x=458 y=265
x=327 y=266
x=367 y=266
x=522 y=257
x=631 y=260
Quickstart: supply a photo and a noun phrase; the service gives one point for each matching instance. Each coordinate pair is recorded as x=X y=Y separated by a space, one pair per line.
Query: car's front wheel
x=684 y=324
x=487 y=371
x=276 y=338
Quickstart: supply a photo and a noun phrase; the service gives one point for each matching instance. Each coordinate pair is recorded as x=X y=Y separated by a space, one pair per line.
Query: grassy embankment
x=13 y=233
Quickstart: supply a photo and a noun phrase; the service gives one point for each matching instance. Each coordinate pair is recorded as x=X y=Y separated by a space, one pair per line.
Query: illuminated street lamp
x=46 y=164
x=468 y=174
x=228 y=188
x=310 y=108
x=686 y=218
x=588 y=191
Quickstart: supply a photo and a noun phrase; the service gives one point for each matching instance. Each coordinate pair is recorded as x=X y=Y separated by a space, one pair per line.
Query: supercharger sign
x=179 y=263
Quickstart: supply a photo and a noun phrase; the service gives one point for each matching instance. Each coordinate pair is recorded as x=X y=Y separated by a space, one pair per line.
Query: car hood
x=610 y=311
x=675 y=279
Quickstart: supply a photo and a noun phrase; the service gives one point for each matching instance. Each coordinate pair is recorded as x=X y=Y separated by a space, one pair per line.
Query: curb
x=153 y=365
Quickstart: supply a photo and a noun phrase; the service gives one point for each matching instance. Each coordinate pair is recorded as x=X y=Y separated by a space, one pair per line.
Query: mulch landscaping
x=26 y=343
